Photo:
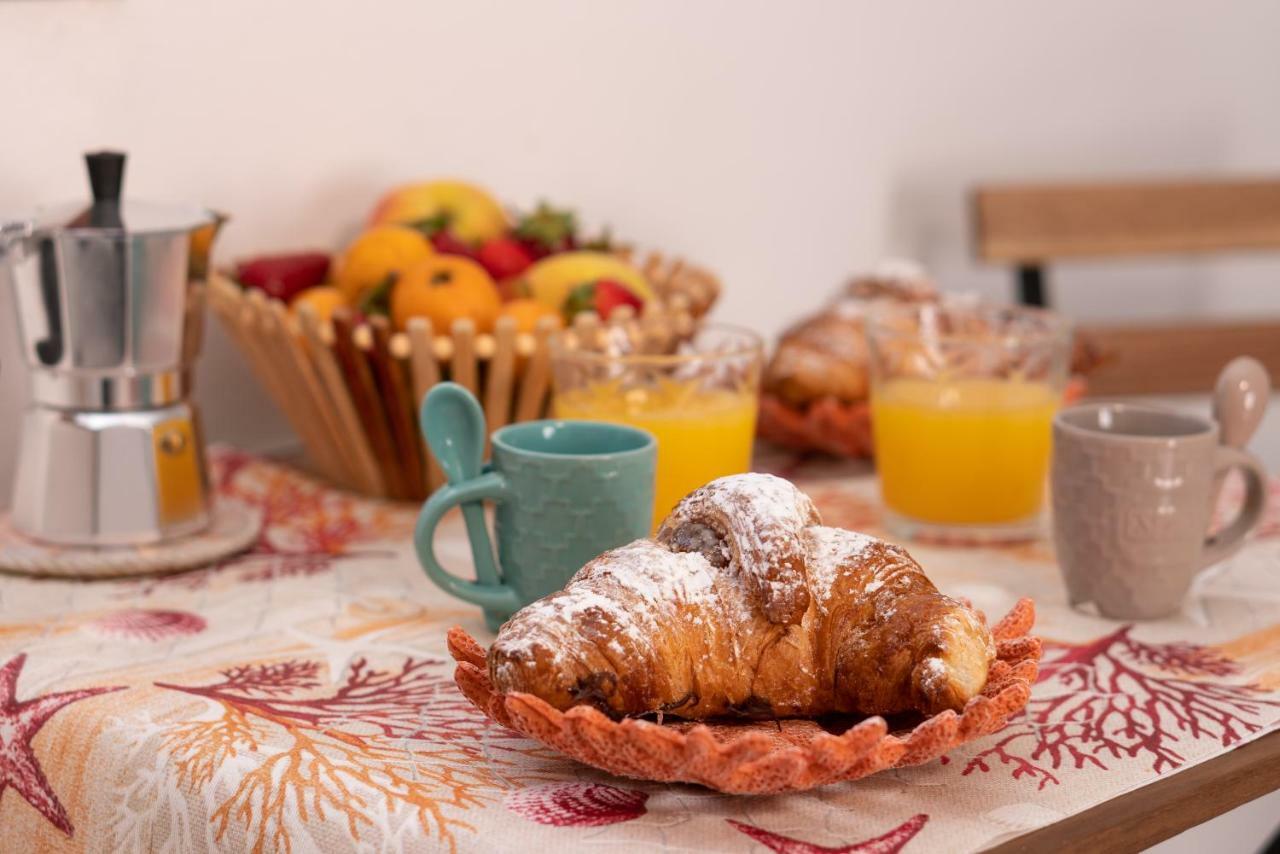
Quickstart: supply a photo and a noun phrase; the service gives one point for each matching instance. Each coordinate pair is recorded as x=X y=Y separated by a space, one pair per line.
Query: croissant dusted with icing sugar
x=746 y=605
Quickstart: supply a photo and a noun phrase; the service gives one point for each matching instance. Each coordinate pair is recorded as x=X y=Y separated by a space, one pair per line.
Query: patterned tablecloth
x=299 y=698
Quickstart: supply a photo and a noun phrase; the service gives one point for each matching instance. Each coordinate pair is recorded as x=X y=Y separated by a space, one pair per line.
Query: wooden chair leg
x=1031 y=285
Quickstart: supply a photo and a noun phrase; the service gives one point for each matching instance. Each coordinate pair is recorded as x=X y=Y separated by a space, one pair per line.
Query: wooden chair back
x=1031 y=226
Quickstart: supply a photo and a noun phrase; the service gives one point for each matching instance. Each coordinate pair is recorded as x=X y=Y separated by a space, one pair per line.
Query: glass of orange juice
x=963 y=393
x=699 y=402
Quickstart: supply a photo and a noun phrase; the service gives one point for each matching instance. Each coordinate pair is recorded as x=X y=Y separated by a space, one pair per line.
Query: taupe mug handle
x=1228 y=541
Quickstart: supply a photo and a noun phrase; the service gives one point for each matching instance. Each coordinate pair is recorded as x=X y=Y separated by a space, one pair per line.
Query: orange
x=325 y=299
x=445 y=288
x=378 y=253
x=528 y=312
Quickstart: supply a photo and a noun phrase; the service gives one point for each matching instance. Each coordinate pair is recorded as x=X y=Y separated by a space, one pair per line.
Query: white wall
x=784 y=144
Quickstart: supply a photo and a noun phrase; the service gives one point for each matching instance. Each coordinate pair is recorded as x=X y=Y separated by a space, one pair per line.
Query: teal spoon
x=453 y=425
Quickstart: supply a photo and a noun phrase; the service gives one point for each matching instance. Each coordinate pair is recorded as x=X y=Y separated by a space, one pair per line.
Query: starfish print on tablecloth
x=889 y=843
x=19 y=722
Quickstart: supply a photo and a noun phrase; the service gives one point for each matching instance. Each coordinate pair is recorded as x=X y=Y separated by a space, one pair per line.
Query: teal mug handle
x=453 y=425
x=494 y=595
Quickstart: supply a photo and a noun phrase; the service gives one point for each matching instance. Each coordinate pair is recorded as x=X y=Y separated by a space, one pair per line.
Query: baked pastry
x=817 y=384
x=745 y=605
x=825 y=356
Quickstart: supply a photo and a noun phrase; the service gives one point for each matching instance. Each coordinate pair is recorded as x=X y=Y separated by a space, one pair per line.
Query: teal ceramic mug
x=564 y=491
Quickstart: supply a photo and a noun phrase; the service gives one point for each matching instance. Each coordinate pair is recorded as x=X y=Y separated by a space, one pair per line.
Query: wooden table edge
x=1139 y=819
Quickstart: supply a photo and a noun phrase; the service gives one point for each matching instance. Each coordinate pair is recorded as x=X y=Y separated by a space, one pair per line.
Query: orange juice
x=967 y=451
x=702 y=434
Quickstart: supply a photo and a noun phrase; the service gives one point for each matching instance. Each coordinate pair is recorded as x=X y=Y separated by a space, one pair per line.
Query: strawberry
x=282 y=276
x=603 y=296
x=504 y=257
x=446 y=244
x=610 y=295
x=547 y=230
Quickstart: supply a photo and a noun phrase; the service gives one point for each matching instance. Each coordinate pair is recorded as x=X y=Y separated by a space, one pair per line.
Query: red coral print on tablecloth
x=306 y=526
x=146 y=624
x=1117 y=697
x=577 y=804
x=19 y=722
x=890 y=843
x=411 y=701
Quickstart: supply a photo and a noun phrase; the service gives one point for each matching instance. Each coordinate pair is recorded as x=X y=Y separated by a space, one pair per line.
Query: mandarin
x=445 y=288
x=378 y=253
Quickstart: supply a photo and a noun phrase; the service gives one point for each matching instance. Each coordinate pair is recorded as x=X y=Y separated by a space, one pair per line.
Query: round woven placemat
x=234 y=528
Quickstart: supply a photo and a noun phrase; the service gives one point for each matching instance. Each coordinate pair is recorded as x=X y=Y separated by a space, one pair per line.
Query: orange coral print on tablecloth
x=400 y=738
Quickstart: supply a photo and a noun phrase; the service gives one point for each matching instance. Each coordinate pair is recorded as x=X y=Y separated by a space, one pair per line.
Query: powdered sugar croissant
x=746 y=605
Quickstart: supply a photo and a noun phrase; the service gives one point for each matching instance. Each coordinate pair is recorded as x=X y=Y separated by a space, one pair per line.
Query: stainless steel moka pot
x=111 y=451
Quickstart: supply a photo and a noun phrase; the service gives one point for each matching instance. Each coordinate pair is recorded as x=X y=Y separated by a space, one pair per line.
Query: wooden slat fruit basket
x=351 y=390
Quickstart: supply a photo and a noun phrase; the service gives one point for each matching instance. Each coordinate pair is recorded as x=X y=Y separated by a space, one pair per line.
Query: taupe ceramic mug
x=1133 y=494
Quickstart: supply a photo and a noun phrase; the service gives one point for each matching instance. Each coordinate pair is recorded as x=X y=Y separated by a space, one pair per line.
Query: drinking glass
x=963 y=393
x=700 y=401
